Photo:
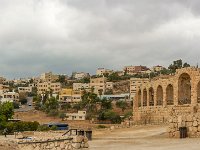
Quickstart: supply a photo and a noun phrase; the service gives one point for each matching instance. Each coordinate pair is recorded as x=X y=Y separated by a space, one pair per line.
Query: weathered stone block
x=188 y=124
x=195 y=129
x=195 y=124
x=189 y=118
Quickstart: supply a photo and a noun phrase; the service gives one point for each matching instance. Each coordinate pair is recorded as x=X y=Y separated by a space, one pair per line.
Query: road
x=26 y=107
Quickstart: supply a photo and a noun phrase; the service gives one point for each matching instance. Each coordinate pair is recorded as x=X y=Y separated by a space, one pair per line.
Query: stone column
x=155 y=97
x=164 y=97
x=175 y=87
x=193 y=93
x=147 y=98
x=142 y=97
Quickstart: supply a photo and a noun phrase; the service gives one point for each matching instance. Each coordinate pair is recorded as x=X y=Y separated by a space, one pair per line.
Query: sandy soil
x=141 y=138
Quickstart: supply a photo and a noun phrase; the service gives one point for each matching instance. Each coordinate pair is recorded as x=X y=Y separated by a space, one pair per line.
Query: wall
x=62 y=143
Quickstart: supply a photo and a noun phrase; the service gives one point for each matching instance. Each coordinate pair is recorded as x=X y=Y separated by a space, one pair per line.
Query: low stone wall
x=190 y=120
x=158 y=114
x=63 y=143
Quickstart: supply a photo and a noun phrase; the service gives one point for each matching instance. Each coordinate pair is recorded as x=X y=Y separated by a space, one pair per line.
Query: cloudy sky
x=82 y=35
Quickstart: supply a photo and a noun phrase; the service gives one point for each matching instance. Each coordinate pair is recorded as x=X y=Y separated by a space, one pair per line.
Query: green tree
x=106 y=104
x=122 y=104
x=51 y=104
x=61 y=78
x=66 y=106
x=186 y=65
x=6 y=111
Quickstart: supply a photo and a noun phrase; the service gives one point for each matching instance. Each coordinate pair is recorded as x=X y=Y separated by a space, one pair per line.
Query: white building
x=24 y=89
x=81 y=115
x=81 y=86
x=10 y=96
x=81 y=75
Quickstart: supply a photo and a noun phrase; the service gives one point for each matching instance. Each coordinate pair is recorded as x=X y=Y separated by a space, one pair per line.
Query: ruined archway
x=139 y=98
x=170 y=95
x=151 y=96
x=198 y=92
x=144 y=97
x=184 y=89
x=159 y=94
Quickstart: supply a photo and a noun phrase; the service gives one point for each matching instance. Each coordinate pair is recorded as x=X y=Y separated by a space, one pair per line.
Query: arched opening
x=139 y=98
x=184 y=89
x=151 y=97
x=170 y=95
x=159 y=95
x=144 y=97
x=198 y=92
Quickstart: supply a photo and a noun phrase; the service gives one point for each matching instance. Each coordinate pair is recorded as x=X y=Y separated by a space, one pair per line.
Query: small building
x=123 y=97
x=9 y=97
x=81 y=75
x=132 y=70
x=81 y=86
x=102 y=71
x=81 y=115
x=25 y=89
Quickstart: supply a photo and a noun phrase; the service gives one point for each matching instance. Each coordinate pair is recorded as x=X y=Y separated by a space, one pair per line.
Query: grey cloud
x=76 y=35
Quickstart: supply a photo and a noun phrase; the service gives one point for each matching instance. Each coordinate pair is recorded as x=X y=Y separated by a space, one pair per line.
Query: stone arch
x=145 y=97
x=184 y=89
x=159 y=94
x=151 y=96
x=198 y=92
x=139 y=98
x=170 y=94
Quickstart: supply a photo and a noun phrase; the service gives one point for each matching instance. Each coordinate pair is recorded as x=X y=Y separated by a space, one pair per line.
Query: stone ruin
x=48 y=140
x=190 y=120
x=170 y=100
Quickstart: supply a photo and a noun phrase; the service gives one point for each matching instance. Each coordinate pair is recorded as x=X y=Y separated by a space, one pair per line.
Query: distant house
x=81 y=115
x=24 y=89
x=9 y=97
x=131 y=70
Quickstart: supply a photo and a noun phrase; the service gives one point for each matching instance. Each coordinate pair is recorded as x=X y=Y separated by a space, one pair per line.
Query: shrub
x=43 y=128
x=101 y=127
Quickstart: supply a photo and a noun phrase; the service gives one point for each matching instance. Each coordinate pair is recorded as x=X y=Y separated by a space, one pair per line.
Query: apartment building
x=70 y=96
x=4 y=89
x=10 y=97
x=24 y=89
x=81 y=75
x=131 y=70
x=48 y=86
x=81 y=115
x=48 y=77
x=134 y=84
x=98 y=85
x=102 y=71
x=81 y=86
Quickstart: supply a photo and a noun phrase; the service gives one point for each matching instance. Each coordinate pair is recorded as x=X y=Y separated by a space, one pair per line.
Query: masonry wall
x=62 y=143
x=189 y=119
x=155 y=99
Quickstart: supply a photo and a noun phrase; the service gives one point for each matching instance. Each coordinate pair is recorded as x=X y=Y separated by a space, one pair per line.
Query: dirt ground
x=42 y=118
x=141 y=138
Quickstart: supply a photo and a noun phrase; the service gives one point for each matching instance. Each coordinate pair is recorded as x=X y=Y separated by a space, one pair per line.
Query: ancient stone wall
x=62 y=143
x=155 y=99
